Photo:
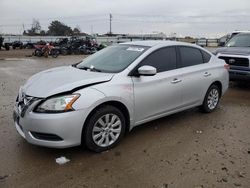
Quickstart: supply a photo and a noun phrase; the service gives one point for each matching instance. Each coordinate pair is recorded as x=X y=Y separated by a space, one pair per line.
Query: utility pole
x=23 y=28
x=110 y=23
x=92 y=32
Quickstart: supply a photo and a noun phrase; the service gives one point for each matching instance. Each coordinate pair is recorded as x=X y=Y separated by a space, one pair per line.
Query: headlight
x=58 y=104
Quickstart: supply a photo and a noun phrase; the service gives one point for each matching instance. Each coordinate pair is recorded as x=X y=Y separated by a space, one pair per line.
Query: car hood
x=234 y=50
x=62 y=79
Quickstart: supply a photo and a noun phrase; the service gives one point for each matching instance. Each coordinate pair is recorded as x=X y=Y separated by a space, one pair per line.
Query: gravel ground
x=15 y=53
x=188 y=149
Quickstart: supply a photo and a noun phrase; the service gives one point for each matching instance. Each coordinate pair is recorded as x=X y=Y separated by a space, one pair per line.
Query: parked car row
x=65 y=46
x=18 y=44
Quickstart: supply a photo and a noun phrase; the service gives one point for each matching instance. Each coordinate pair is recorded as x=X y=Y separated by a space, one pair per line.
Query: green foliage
x=57 y=28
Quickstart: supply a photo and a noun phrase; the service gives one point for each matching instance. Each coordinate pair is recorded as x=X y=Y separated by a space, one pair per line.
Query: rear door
x=196 y=74
x=158 y=94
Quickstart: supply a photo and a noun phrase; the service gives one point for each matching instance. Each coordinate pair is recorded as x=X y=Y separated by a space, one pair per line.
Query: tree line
x=56 y=28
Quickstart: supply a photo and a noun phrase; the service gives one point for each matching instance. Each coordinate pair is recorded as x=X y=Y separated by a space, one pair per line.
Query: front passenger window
x=163 y=59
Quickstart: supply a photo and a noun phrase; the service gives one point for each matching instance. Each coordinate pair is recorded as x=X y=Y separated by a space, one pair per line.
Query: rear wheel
x=211 y=99
x=105 y=129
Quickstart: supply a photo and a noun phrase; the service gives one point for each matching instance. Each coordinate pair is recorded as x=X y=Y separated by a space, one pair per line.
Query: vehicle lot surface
x=188 y=149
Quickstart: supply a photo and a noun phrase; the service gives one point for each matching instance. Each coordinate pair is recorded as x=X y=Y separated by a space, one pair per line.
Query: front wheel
x=211 y=99
x=105 y=129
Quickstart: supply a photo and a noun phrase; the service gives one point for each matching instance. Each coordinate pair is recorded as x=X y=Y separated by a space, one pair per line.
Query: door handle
x=175 y=81
x=206 y=74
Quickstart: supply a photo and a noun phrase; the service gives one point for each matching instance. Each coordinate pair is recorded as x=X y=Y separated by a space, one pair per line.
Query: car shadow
x=244 y=86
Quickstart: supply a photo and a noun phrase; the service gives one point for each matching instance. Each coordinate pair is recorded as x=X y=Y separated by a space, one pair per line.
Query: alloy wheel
x=106 y=130
x=213 y=99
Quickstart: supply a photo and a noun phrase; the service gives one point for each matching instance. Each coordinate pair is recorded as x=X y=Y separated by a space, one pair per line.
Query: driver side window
x=163 y=59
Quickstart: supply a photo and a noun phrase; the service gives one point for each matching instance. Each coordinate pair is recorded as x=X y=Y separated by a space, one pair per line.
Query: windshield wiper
x=90 y=68
x=75 y=64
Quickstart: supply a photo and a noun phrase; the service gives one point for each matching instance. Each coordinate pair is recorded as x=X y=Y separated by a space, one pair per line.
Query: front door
x=161 y=93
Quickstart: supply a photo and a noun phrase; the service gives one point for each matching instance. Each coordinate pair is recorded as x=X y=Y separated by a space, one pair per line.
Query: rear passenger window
x=190 y=56
x=163 y=59
x=206 y=56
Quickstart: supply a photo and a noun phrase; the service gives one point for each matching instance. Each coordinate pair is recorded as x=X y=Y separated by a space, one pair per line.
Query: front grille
x=236 y=61
x=23 y=102
x=45 y=136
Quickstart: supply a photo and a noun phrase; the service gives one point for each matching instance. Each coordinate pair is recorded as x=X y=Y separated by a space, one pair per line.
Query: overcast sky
x=185 y=17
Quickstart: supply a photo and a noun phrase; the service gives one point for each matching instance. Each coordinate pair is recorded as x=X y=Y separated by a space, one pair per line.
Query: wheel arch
x=219 y=85
x=119 y=105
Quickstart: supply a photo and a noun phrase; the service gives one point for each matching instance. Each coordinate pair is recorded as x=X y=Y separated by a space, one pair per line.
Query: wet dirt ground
x=186 y=150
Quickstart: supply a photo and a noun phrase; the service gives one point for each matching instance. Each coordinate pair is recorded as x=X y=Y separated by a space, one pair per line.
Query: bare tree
x=35 y=28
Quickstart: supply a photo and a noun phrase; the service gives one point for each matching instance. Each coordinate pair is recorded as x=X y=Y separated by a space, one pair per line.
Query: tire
x=99 y=136
x=55 y=53
x=77 y=52
x=7 y=47
x=64 y=52
x=38 y=53
x=29 y=46
x=211 y=99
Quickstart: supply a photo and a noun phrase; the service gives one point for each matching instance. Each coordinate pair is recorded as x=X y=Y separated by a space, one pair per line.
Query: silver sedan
x=96 y=101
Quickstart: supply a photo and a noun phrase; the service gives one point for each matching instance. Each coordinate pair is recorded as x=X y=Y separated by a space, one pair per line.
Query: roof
x=151 y=43
x=241 y=32
x=246 y=33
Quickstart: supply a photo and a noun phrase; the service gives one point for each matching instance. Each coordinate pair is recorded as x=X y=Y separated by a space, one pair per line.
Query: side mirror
x=147 y=70
x=222 y=43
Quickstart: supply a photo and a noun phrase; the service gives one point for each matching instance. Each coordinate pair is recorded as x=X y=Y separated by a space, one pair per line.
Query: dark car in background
x=236 y=53
x=223 y=40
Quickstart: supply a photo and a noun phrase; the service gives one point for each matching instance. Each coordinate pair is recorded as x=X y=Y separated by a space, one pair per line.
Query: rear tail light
x=226 y=66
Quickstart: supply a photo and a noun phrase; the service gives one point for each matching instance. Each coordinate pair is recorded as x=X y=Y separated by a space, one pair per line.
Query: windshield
x=112 y=59
x=239 y=41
